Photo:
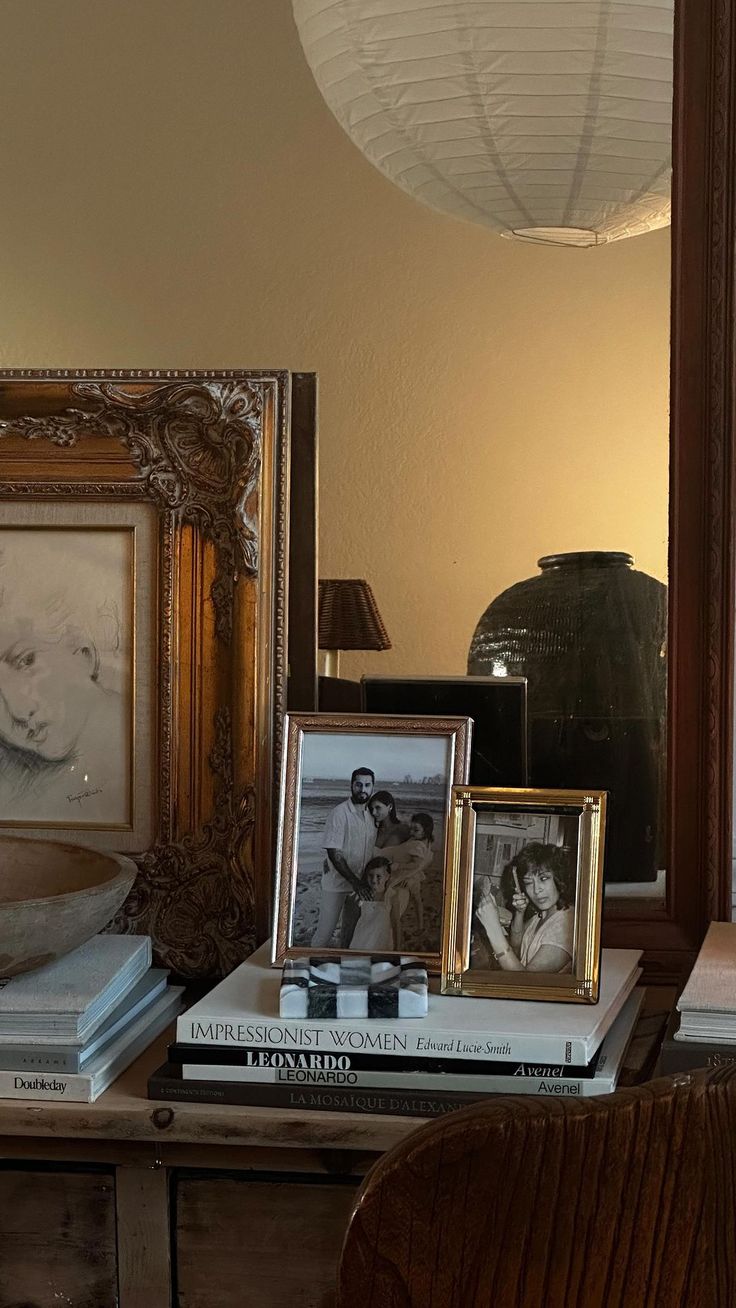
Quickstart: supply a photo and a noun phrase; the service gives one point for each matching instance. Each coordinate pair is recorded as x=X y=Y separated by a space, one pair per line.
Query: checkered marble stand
x=355 y=985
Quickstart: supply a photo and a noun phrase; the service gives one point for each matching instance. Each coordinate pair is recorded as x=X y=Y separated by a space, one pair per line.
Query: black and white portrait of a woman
x=525 y=880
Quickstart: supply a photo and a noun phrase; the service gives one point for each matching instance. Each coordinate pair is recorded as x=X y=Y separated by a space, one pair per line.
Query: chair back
x=622 y=1201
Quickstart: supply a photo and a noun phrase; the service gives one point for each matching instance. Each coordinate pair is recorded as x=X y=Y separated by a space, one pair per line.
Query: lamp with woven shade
x=348 y=619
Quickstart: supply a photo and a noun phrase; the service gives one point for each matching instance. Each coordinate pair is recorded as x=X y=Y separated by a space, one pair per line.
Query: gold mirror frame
x=209 y=451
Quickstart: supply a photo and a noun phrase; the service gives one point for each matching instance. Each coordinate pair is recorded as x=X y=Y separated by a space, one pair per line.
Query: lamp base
x=332 y=663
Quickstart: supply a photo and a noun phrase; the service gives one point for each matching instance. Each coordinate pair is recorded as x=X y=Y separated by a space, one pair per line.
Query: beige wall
x=176 y=194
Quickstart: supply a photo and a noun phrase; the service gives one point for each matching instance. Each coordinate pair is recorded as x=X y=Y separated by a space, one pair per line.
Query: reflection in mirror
x=514 y=519
x=589 y=634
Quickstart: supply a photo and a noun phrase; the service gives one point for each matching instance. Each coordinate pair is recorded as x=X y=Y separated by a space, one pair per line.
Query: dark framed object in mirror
x=497 y=706
x=339 y=695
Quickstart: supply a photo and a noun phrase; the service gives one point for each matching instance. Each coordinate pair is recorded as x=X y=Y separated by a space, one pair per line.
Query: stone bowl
x=53 y=897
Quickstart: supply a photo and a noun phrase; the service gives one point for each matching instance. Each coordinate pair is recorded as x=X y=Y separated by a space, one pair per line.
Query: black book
x=234 y=1056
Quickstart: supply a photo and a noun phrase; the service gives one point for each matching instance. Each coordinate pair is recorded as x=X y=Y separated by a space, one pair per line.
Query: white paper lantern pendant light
x=548 y=121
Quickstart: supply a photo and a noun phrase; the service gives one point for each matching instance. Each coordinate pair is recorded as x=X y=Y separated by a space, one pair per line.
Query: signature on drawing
x=84 y=794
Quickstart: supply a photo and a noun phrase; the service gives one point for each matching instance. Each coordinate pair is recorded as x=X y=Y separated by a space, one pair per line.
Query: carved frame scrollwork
x=209 y=450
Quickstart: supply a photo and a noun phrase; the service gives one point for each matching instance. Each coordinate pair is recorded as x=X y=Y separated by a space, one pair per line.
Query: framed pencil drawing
x=77 y=630
x=363 y=832
x=525 y=881
x=142 y=635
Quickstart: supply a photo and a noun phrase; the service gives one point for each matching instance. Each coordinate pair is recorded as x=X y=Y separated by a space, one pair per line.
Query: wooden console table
x=135 y=1203
x=132 y=1203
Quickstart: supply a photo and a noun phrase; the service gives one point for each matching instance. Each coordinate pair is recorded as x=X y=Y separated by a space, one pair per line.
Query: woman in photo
x=389 y=830
x=540 y=884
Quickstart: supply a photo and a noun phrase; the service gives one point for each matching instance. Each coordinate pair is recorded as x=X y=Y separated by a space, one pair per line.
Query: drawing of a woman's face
x=46 y=695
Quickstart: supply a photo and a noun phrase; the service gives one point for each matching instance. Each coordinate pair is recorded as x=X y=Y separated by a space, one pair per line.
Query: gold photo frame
x=359 y=790
x=179 y=480
x=525 y=894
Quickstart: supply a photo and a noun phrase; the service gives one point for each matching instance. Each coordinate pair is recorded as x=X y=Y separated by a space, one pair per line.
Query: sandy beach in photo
x=319 y=797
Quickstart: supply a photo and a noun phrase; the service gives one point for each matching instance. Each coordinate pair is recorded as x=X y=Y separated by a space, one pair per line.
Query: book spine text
x=26 y=1059
x=306 y=1060
x=44 y=1085
x=437 y=1082
x=324 y=1038
x=419 y=1103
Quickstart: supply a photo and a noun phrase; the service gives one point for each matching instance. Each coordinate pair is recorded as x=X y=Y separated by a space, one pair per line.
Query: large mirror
x=553 y=444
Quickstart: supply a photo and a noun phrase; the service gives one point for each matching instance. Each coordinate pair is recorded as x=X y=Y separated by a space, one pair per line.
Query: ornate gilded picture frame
x=143 y=530
x=525 y=894
x=363 y=824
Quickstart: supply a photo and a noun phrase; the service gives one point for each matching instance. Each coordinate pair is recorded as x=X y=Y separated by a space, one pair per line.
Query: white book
x=602 y=1082
x=69 y=1057
x=243 y=1010
x=103 y=1068
x=699 y=1031
x=67 y=1000
x=707 y=1004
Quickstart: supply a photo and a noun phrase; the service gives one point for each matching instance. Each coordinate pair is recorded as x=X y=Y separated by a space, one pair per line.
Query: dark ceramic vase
x=589 y=635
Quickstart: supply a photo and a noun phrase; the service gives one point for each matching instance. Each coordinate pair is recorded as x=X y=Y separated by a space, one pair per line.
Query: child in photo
x=373 y=931
x=409 y=862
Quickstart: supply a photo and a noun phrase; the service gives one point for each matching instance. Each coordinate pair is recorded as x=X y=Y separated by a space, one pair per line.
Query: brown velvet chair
x=622 y=1201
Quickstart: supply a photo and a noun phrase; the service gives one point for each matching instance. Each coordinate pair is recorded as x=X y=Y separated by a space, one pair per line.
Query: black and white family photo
x=371 y=835
x=524 y=891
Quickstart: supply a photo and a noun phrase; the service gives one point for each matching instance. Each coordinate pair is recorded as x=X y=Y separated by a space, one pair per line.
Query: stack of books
x=69 y=1029
x=702 y=1029
x=232 y=1048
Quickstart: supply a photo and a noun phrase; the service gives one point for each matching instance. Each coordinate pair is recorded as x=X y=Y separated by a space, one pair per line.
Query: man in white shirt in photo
x=349 y=841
